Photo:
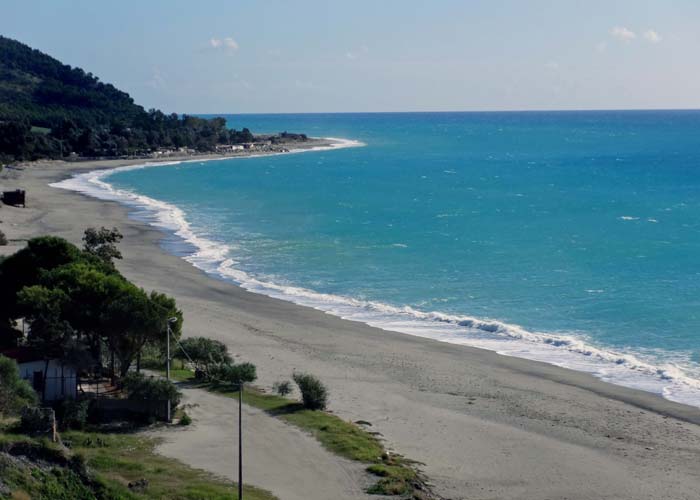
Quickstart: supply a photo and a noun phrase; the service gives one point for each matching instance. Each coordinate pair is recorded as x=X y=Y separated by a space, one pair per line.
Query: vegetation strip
x=109 y=466
x=397 y=474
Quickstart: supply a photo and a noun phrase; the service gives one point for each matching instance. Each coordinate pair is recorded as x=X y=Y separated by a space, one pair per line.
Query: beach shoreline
x=568 y=351
x=485 y=425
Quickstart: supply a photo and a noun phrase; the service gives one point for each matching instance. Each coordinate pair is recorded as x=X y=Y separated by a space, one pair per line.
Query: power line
x=240 y=418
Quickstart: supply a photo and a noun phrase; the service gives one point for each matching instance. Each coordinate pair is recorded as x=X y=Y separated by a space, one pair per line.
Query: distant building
x=15 y=198
x=61 y=377
x=225 y=148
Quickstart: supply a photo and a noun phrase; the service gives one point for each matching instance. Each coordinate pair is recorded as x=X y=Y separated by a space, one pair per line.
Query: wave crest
x=572 y=351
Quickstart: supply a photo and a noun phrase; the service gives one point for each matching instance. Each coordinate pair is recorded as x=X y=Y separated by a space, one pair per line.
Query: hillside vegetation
x=49 y=109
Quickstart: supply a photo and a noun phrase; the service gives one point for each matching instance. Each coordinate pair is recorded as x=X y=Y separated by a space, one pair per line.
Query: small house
x=61 y=377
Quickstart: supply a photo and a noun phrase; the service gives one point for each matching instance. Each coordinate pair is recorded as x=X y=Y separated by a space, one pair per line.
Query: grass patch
x=113 y=462
x=345 y=439
x=40 y=130
x=395 y=479
x=338 y=436
x=180 y=374
x=341 y=437
x=120 y=459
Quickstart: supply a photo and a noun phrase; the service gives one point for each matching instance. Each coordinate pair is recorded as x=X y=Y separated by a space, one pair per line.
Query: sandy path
x=277 y=457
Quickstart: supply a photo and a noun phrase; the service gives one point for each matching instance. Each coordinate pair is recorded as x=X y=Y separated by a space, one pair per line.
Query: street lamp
x=167 y=359
x=240 y=440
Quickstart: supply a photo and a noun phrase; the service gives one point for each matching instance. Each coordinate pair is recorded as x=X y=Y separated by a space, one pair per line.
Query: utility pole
x=167 y=359
x=240 y=441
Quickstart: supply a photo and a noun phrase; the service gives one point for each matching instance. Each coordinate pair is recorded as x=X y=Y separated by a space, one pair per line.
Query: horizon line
x=585 y=110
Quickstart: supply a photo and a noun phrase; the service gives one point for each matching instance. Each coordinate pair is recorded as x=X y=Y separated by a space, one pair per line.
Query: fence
x=110 y=409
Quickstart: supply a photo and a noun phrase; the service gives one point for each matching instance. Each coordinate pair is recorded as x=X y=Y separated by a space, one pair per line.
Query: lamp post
x=240 y=441
x=167 y=360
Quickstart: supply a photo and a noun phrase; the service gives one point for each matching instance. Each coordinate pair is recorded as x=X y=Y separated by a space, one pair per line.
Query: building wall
x=61 y=380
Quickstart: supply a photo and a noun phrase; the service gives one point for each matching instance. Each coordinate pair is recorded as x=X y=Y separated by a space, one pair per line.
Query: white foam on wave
x=671 y=380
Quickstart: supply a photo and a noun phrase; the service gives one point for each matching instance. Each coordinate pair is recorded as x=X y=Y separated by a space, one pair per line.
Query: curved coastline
x=568 y=351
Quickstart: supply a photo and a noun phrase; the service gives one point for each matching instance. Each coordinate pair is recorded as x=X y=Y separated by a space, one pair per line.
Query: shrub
x=73 y=414
x=282 y=388
x=3 y=239
x=15 y=393
x=37 y=420
x=204 y=353
x=235 y=374
x=185 y=419
x=138 y=386
x=314 y=394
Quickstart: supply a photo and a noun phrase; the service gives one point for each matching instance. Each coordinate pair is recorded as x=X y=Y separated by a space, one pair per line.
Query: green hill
x=49 y=109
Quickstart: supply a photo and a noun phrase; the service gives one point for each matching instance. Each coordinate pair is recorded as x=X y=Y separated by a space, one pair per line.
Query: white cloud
x=553 y=65
x=652 y=36
x=623 y=34
x=157 y=80
x=227 y=43
x=355 y=54
x=230 y=43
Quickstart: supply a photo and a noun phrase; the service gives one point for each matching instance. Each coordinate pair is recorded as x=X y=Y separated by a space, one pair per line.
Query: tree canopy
x=76 y=302
x=49 y=109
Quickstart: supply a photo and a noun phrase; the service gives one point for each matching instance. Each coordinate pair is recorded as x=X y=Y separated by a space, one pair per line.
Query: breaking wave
x=671 y=380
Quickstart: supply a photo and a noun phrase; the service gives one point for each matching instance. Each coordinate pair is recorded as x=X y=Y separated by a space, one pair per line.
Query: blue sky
x=383 y=55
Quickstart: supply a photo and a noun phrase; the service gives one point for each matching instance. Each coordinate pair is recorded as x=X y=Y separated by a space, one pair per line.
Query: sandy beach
x=485 y=426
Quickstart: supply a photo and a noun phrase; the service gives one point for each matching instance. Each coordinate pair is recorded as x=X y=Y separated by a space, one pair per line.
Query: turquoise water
x=569 y=237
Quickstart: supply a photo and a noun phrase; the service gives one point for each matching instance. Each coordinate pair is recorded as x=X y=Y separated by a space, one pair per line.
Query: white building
x=61 y=378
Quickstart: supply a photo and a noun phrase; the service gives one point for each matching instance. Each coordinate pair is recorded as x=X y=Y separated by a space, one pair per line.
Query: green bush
x=140 y=387
x=15 y=393
x=235 y=374
x=282 y=388
x=185 y=419
x=73 y=414
x=37 y=420
x=314 y=394
x=204 y=353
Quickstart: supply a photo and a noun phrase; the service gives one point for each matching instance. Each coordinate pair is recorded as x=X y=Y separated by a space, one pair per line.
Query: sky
x=281 y=56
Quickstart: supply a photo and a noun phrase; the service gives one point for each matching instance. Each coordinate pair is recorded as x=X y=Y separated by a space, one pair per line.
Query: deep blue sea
x=567 y=237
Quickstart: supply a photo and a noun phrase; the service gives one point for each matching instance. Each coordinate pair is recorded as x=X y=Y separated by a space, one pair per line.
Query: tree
x=3 y=239
x=77 y=303
x=140 y=387
x=135 y=319
x=103 y=243
x=49 y=333
x=282 y=388
x=204 y=353
x=236 y=374
x=314 y=394
x=15 y=393
x=29 y=265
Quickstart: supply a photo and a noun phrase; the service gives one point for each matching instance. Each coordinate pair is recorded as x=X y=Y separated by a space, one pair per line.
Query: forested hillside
x=49 y=109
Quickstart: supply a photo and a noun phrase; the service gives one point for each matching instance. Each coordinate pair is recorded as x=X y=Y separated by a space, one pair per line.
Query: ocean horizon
x=566 y=237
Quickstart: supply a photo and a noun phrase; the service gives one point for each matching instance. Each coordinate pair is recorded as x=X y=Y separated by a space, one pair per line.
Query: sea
x=571 y=238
